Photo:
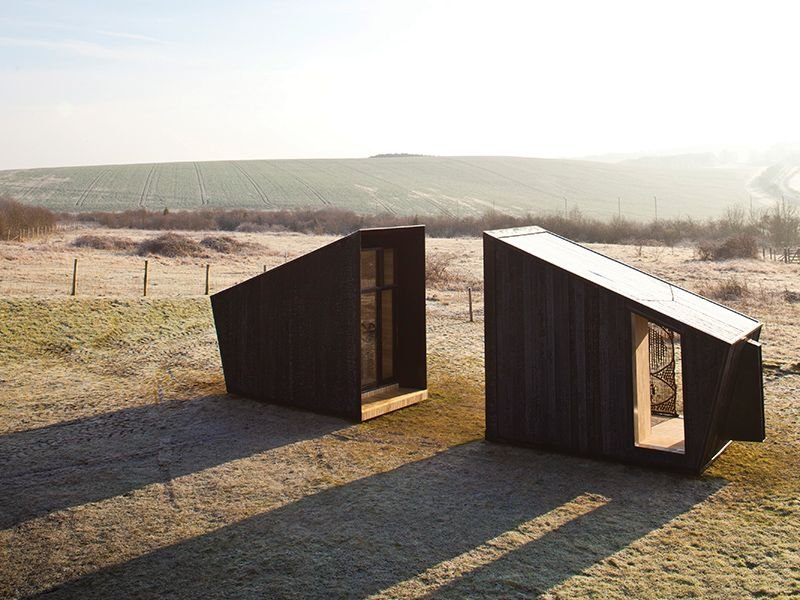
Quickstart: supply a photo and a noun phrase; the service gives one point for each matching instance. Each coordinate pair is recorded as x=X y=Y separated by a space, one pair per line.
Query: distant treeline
x=395 y=155
x=16 y=218
x=776 y=227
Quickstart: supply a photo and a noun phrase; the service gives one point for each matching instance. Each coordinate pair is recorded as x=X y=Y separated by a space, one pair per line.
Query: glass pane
x=388 y=266
x=369 y=371
x=368 y=269
x=387 y=334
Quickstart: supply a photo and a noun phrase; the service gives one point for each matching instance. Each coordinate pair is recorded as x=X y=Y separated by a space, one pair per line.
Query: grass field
x=452 y=186
x=126 y=471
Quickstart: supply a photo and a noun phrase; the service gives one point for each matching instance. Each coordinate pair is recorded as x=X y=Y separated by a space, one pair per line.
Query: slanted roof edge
x=500 y=234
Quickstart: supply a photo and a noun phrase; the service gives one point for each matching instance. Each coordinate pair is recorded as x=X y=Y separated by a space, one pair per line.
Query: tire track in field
x=264 y=198
x=387 y=207
x=201 y=185
x=437 y=204
x=31 y=189
x=501 y=175
x=85 y=194
x=282 y=193
x=146 y=188
x=308 y=186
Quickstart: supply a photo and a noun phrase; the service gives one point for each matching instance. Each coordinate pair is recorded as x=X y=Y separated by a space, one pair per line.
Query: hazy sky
x=94 y=82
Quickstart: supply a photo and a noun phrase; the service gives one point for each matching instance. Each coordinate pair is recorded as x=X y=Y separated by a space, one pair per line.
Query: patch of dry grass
x=126 y=470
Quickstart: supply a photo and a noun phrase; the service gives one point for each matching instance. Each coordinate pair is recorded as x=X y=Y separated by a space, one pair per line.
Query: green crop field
x=453 y=186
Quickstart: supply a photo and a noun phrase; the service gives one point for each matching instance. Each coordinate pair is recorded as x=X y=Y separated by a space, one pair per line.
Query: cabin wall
x=559 y=364
x=290 y=335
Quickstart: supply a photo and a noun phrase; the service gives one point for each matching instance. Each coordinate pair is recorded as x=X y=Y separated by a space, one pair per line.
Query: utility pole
x=565 y=207
x=655 y=205
x=619 y=208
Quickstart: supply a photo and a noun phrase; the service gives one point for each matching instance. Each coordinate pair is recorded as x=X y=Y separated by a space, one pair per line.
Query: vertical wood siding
x=559 y=365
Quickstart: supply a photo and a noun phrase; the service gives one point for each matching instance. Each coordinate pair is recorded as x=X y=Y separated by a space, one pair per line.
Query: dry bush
x=170 y=245
x=16 y=217
x=224 y=244
x=737 y=246
x=727 y=291
x=103 y=242
x=575 y=225
x=791 y=297
x=438 y=270
x=143 y=219
x=442 y=274
x=251 y=228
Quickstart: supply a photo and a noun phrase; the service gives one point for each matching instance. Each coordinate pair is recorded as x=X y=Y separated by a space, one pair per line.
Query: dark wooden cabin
x=585 y=354
x=340 y=330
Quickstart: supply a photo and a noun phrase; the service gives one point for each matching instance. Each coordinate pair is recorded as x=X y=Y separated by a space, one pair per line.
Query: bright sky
x=96 y=82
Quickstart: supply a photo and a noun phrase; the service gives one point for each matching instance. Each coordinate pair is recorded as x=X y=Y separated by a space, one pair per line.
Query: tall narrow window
x=378 y=306
x=657 y=386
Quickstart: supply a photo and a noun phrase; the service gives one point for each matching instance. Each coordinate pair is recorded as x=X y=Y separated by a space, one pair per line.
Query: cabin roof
x=650 y=291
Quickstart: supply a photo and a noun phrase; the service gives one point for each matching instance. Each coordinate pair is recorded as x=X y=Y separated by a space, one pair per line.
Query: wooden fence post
x=74 y=276
x=469 y=291
x=144 y=291
x=208 y=268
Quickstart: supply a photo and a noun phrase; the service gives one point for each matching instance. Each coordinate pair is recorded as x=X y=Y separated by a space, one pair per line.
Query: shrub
x=575 y=225
x=170 y=245
x=251 y=228
x=102 y=242
x=437 y=270
x=16 y=217
x=791 y=297
x=224 y=244
x=738 y=246
x=728 y=290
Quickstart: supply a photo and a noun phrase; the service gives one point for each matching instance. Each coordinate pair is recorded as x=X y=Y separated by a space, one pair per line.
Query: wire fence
x=151 y=278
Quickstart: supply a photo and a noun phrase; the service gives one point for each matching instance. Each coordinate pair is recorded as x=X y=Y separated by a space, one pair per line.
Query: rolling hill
x=403 y=185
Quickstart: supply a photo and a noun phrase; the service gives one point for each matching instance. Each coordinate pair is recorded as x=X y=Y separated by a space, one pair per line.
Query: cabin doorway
x=657 y=386
x=378 y=323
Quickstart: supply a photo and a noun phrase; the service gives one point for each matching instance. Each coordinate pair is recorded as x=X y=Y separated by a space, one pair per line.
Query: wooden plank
x=530 y=351
x=597 y=366
x=510 y=352
x=550 y=402
x=704 y=360
x=640 y=345
x=490 y=336
x=744 y=419
x=389 y=402
x=578 y=393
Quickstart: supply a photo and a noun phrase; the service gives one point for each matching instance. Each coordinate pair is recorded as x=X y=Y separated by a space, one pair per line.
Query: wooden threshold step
x=386 y=403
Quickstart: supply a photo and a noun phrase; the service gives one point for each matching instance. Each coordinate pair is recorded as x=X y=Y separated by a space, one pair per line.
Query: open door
x=745 y=416
x=657 y=387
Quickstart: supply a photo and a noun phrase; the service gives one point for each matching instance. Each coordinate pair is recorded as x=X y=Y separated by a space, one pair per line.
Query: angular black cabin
x=340 y=330
x=585 y=354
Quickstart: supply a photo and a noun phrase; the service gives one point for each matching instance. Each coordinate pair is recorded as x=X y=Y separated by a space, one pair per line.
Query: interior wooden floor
x=667 y=435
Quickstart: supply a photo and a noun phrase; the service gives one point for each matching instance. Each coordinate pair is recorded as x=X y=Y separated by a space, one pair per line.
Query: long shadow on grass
x=383 y=531
x=86 y=460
